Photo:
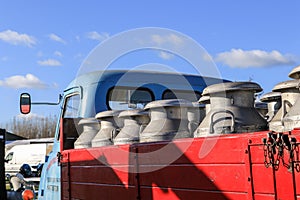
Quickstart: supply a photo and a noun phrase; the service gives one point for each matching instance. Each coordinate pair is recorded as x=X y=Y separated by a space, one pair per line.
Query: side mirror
x=25 y=103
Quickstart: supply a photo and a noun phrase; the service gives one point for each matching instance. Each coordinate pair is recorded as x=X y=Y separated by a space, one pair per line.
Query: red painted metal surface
x=224 y=167
x=271 y=182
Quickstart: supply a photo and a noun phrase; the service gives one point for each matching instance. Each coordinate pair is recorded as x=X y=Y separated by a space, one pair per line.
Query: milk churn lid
x=108 y=113
x=204 y=99
x=196 y=105
x=135 y=112
x=88 y=121
x=271 y=96
x=295 y=73
x=232 y=86
x=169 y=103
x=286 y=85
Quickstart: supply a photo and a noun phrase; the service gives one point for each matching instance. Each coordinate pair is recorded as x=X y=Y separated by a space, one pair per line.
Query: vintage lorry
x=140 y=135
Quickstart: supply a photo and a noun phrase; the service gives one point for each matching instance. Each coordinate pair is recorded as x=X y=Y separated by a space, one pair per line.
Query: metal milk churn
x=232 y=109
x=134 y=122
x=195 y=115
x=261 y=107
x=168 y=120
x=206 y=101
x=110 y=124
x=289 y=94
x=292 y=119
x=90 y=128
x=273 y=99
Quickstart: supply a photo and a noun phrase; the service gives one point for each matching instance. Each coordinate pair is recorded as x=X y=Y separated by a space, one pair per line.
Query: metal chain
x=268 y=151
x=280 y=142
x=296 y=152
x=280 y=156
x=267 y=159
x=265 y=156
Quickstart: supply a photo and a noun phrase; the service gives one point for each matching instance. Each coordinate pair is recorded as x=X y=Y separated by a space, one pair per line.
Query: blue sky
x=43 y=43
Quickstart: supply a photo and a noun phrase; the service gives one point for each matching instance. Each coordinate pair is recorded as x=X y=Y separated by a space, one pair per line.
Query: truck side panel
x=99 y=172
x=150 y=171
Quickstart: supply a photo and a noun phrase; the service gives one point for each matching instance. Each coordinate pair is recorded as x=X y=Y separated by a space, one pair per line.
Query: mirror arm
x=48 y=103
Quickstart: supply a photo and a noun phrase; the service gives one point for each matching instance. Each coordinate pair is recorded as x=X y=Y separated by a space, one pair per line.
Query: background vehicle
x=32 y=154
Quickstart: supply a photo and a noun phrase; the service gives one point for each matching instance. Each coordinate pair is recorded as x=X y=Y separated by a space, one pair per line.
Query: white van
x=32 y=154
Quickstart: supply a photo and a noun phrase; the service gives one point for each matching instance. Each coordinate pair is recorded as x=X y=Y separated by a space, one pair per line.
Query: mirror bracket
x=25 y=103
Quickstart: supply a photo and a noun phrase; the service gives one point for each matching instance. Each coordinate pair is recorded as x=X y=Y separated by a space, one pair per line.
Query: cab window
x=182 y=94
x=69 y=122
x=124 y=98
x=71 y=108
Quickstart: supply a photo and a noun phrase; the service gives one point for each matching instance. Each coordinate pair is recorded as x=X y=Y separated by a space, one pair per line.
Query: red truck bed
x=230 y=166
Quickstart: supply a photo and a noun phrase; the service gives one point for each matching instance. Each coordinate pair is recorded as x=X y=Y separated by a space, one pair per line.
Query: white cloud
x=97 y=36
x=49 y=62
x=30 y=116
x=167 y=39
x=170 y=41
x=165 y=55
x=56 y=38
x=19 y=81
x=15 y=38
x=238 y=58
x=58 y=54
